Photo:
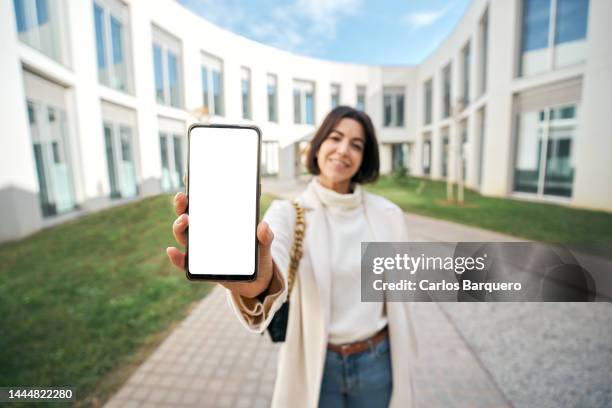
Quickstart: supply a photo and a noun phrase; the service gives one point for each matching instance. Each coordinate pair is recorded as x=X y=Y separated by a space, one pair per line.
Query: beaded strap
x=296 y=248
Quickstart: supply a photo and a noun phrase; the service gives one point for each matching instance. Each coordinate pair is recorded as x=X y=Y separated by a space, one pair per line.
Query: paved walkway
x=211 y=361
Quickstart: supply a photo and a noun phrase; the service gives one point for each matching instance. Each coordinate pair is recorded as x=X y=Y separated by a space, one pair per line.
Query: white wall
x=84 y=96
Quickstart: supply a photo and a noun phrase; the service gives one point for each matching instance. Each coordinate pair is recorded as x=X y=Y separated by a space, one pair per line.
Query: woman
x=338 y=351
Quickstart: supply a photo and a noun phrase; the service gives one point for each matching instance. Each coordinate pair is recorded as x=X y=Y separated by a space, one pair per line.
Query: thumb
x=265 y=238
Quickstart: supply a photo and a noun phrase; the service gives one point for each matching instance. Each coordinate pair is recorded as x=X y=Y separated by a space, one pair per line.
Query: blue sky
x=370 y=32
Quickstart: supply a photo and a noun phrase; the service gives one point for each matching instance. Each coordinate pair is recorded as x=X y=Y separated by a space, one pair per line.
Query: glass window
x=246 y=93
x=445 y=151
x=571 y=21
x=466 y=75
x=51 y=145
x=205 y=95
x=544 y=163
x=484 y=52
x=217 y=93
x=361 y=98
x=159 y=75
x=427 y=153
x=563 y=21
x=335 y=95
x=272 y=98
x=427 y=102
x=269 y=158
x=39 y=24
x=110 y=19
x=168 y=69
x=178 y=159
x=212 y=84
x=303 y=102
x=171 y=147
x=393 y=107
x=536 y=21
x=309 y=108
x=464 y=145
x=173 y=80
x=100 y=46
x=446 y=91
x=399 y=156
x=297 y=106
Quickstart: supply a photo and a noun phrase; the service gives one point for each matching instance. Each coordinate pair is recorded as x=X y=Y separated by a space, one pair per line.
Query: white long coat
x=302 y=356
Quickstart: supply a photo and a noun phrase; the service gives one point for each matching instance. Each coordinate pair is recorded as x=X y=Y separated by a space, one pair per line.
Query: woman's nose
x=343 y=148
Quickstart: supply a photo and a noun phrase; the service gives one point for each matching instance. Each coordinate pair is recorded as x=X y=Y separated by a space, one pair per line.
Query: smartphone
x=223 y=190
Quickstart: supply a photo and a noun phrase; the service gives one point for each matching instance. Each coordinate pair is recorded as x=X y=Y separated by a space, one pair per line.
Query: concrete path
x=211 y=361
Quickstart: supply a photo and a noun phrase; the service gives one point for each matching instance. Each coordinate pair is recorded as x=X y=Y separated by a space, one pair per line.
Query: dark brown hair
x=370 y=165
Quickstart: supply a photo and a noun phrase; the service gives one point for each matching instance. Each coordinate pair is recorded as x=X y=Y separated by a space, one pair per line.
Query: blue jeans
x=358 y=380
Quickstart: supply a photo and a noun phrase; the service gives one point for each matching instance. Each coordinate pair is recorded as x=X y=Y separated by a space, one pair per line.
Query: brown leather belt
x=358 y=346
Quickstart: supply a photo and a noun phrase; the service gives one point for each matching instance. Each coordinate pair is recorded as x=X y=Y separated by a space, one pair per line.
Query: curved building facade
x=98 y=96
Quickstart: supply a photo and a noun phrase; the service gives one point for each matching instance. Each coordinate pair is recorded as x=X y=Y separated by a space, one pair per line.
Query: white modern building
x=98 y=94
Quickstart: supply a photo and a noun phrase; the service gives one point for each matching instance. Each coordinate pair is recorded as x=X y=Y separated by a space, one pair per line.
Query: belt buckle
x=344 y=348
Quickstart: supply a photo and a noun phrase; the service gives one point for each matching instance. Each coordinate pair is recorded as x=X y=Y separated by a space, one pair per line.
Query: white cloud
x=426 y=18
x=301 y=26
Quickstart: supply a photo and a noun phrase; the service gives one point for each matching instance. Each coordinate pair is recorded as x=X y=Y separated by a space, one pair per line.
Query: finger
x=180 y=203
x=178 y=229
x=265 y=238
x=176 y=257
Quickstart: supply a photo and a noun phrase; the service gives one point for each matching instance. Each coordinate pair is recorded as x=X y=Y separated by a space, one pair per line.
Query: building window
x=361 y=98
x=427 y=102
x=483 y=30
x=393 y=106
x=49 y=132
x=41 y=24
x=426 y=153
x=212 y=85
x=171 y=146
x=553 y=34
x=481 y=146
x=269 y=158
x=303 y=102
x=245 y=88
x=168 y=69
x=463 y=152
x=399 y=157
x=118 y=127
x=111 y=21
x=335 y=95
x=445 y=151
x=465 y=88
x=544 y=163
x=446 y=91
x=272 y=98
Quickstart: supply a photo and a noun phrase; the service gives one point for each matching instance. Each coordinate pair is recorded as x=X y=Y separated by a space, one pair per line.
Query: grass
x=530 y=220
x=84 y=303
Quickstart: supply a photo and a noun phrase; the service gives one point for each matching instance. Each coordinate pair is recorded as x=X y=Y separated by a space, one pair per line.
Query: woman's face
x=341 y=153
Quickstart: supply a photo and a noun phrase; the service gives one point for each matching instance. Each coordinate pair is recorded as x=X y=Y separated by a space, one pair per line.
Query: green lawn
x=534 y=221
x=82 y=304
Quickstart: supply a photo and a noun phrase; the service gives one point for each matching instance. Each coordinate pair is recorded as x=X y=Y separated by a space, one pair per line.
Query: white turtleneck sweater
x=350 y=319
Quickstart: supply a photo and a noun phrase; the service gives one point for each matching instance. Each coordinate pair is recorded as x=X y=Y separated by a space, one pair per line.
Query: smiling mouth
x=345 y=164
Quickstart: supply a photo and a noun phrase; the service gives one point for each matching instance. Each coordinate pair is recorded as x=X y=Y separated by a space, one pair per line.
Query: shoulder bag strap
x=296 y=248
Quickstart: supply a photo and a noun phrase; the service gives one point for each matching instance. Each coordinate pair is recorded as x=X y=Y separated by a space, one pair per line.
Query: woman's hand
x=264 y=238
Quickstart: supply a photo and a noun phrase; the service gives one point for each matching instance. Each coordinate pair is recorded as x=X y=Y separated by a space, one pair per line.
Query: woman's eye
x=358 y=147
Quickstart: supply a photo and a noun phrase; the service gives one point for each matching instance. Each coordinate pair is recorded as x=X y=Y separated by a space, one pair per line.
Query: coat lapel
x=317 y=237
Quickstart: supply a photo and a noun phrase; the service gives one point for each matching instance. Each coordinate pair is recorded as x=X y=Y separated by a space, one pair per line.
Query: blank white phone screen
x=223 y=198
